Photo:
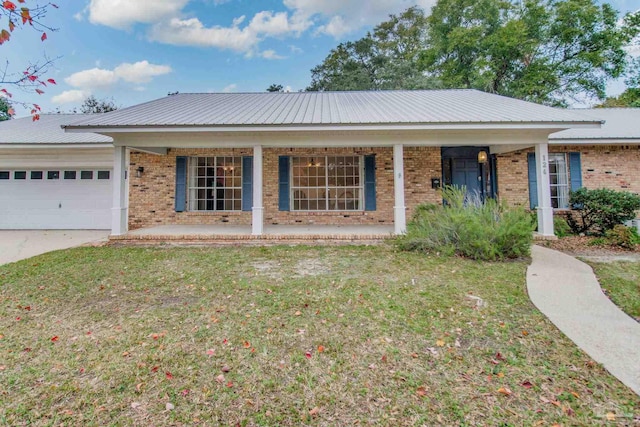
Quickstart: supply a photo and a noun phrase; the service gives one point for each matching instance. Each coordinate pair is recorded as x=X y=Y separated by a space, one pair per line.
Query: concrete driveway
x=21 y=244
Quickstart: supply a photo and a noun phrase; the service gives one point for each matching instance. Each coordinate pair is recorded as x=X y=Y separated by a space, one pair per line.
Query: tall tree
x=21 y=14
x=275 y=88
x=94 y=105
x=386 y=58
x=547 y=51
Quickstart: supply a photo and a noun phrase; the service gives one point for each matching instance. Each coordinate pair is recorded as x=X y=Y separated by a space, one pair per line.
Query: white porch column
x=257 y=219
x=545 y=211
x=399 y=213
x=120 y=190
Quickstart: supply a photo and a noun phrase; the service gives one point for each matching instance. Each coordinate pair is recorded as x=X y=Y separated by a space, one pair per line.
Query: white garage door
x=55 y=198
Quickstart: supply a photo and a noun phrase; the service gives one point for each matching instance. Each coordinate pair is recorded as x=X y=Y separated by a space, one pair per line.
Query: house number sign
x=544 y=164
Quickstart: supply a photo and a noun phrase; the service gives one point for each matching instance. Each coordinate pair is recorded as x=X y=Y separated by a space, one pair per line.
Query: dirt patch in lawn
x=589 y=247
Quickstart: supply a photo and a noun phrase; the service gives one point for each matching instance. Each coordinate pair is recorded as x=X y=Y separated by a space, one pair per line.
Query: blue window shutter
x=370 y=183
x=575 y=170
x=533 y=182
x=283 y=183
x=247 y=183
x=181 y=183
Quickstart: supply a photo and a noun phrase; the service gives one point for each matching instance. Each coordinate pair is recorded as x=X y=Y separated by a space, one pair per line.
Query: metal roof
x=47 y=130
x=620 y=124
x=331 y=108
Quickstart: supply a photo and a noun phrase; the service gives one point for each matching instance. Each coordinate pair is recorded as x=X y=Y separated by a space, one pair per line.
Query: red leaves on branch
x=4 y=36
x=43 y=37
x=9 y=5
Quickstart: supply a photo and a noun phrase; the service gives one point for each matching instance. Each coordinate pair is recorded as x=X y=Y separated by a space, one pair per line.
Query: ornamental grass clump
x=468 y=226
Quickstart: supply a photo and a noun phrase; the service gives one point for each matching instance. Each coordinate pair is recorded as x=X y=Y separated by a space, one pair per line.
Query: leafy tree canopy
x=546 y=51
x=386 y=58
x=95 y=105
x=275 y=88
x=4 y=110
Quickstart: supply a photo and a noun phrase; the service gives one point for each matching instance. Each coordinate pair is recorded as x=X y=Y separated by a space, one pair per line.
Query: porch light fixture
x=139 y=172
x=482 y=157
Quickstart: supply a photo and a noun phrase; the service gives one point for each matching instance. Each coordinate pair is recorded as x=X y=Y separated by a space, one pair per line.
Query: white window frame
x=323 y=161
x=192 y=177
x=562 y=181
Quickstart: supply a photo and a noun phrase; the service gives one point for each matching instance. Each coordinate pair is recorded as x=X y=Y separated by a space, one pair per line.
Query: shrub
x=560 y=226
x=622 y=236
x=596 y=211
x=469 y=227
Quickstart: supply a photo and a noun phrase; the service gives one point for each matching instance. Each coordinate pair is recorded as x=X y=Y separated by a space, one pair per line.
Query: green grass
x=621 y=282
x=232 y=336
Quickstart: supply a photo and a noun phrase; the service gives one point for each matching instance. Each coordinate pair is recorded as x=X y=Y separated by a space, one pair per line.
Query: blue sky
x=137 y=50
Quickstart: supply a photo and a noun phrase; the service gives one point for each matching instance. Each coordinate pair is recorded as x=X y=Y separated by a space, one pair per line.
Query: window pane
x=326 y=183
x=4 y=174
x=36 y=174
x=69 y=174
x=104 y=174
x=86 y=174
x=214 y=180
x=53 y=174
x=20 y=175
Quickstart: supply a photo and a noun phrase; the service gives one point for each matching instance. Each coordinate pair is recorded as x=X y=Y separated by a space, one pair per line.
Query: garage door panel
x=55 y=204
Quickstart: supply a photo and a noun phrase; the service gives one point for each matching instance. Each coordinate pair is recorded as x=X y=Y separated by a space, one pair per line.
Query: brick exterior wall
x=603 y=166
x=152 y=197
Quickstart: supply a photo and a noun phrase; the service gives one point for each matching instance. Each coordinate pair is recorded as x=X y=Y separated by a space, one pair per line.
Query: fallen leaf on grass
x=314 y=412
x=169 y=406
x=440 y=343
x=246 y=344
x=135 y=405
x=169 y=375
x=54 y=339
x=184 y=392
x=610 y=416
x=211 y=352
x=504 y=390
x=229 y=384
x=527 y=384
x=225 y=369
x=320 y=349
x=421 y=391
x=220 y=378
x=297 y=313
x=307 y=355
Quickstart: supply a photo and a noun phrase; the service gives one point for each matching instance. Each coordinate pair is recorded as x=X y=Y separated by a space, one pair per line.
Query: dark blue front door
x=466 y=173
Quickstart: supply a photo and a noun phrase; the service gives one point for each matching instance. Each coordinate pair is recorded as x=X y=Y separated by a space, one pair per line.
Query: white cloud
x=140 y=72
x=287 y=89
x=230 y=88
x=123 y=14
x=192 y=32
x=344 y=16
x=271 y=54
x=96 y=78
x=92 y=78
x=295 y=49
x=168 y=22
x=70 y=97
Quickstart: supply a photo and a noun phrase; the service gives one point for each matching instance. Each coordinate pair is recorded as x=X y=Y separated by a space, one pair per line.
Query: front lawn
x=287 y=336
x=621 y=282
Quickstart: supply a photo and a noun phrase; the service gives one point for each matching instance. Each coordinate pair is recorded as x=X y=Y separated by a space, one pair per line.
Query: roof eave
x=590 y=141
x=554 y=126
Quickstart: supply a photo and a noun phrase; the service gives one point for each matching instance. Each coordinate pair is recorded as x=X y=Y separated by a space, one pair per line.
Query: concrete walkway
x=16 y=245
x=568 y=293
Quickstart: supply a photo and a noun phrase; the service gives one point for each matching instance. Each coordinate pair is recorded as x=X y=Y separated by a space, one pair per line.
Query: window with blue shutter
x=370 y=183
x=181 y=183
x=283 y=183
x=533 y=182
x=247 y=183
x=575 y=171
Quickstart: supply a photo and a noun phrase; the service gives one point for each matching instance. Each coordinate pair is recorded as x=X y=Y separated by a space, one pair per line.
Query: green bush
x=622 y=236
x=469 y=227
x=596 y=211
x=560 y=226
